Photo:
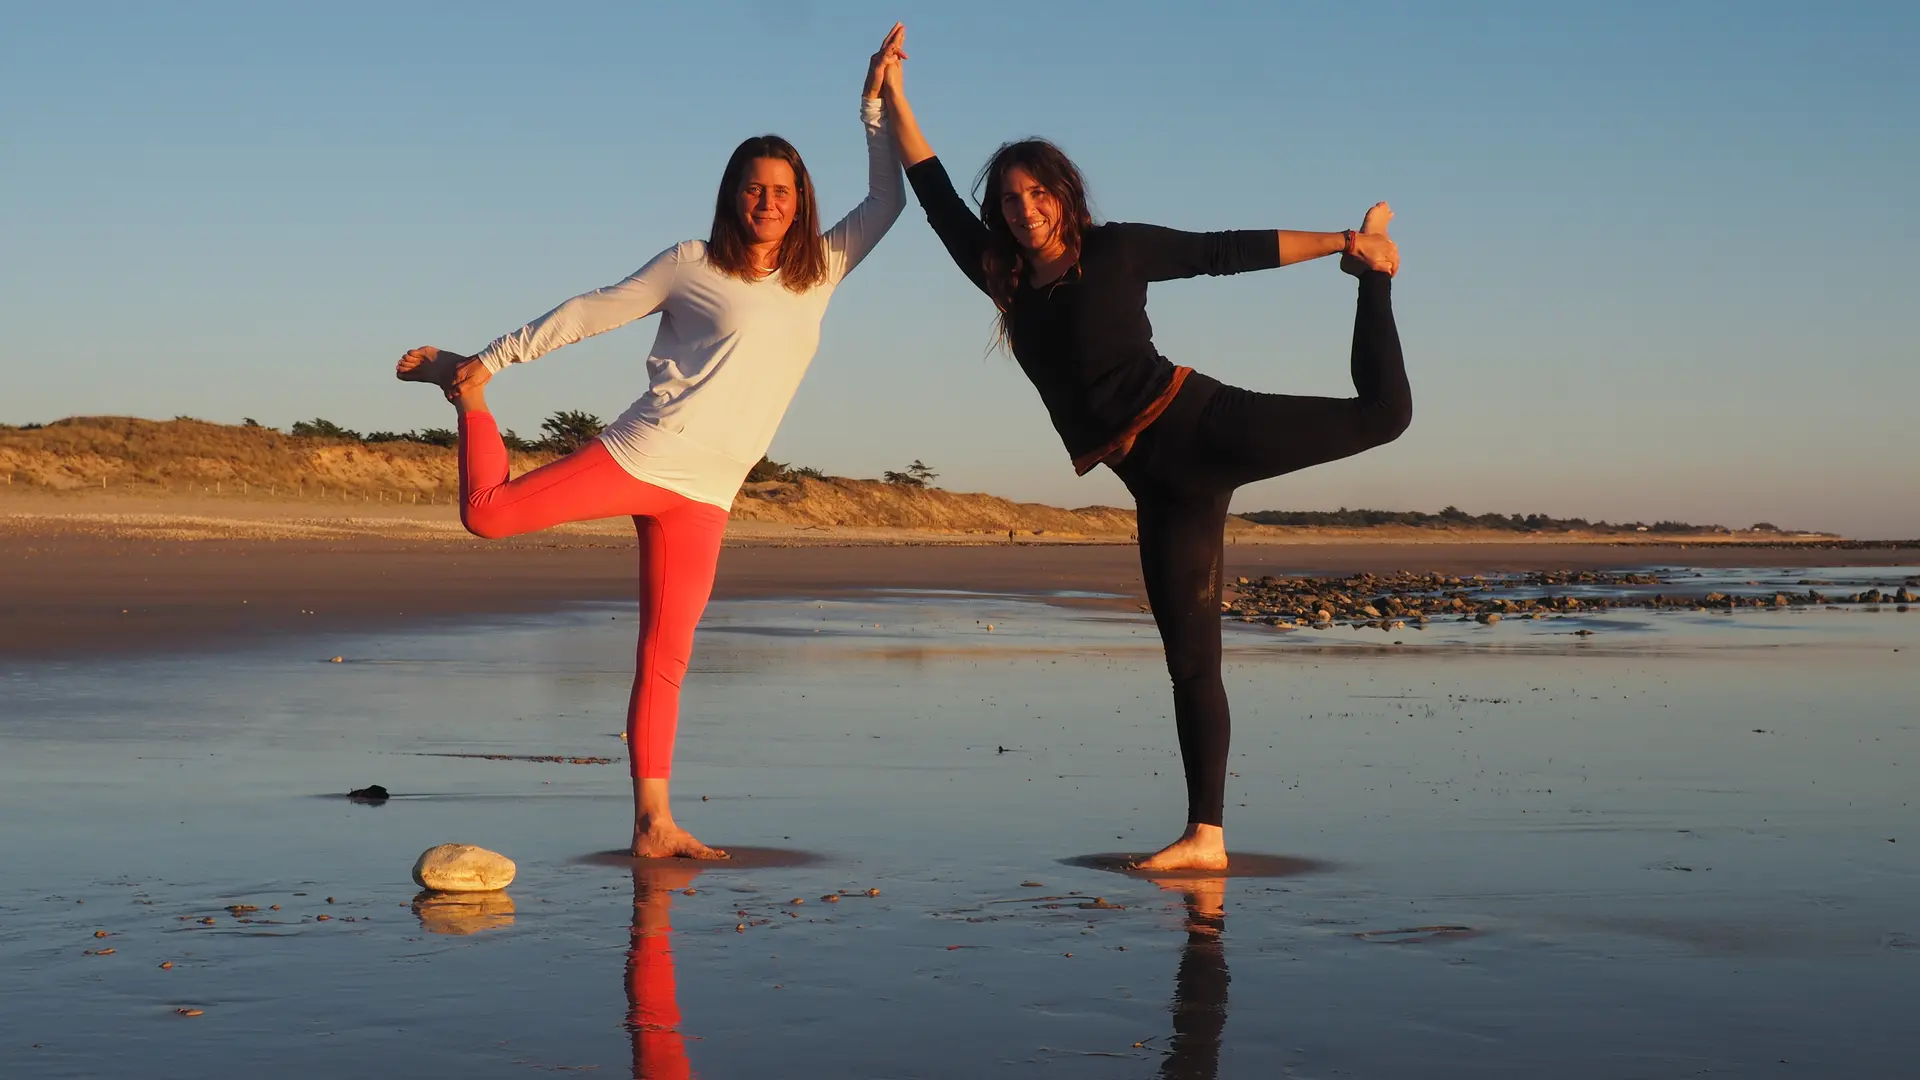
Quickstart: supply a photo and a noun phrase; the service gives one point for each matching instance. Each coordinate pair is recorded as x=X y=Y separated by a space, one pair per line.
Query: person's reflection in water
x=1200 y=987
x=653 y=1008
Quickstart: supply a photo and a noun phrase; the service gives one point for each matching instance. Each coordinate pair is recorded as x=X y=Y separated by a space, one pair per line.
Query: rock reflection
x=653 y=1007
x=1200 y=986
x=463 y=913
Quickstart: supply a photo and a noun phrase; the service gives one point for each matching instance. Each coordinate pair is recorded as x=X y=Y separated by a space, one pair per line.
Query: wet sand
x=73 y=587
x=1523 y=852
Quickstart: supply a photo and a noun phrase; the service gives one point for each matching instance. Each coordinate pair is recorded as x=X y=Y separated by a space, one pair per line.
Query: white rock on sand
x=463 y=868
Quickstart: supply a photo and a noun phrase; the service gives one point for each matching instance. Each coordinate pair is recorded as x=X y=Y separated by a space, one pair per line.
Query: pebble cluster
x=1392 y=601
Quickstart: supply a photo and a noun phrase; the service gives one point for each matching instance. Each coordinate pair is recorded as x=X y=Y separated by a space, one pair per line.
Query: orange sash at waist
x=1115 y=450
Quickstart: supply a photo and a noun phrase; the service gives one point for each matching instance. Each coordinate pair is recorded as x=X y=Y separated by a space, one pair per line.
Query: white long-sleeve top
x=729 y=355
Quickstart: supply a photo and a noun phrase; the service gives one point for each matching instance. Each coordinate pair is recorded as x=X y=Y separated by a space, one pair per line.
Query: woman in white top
x=739 y=323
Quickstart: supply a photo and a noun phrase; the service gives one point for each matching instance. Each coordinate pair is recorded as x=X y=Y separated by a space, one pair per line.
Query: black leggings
x=1183 y=470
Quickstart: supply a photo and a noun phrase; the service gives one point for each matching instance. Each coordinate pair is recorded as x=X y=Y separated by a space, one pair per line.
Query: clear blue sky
x=1654 y=252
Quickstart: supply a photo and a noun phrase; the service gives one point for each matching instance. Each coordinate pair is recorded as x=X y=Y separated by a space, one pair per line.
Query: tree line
x=569 y=430
x=561 y=433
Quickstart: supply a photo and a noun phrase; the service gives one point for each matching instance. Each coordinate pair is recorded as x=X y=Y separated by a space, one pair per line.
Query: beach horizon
x=82 y=573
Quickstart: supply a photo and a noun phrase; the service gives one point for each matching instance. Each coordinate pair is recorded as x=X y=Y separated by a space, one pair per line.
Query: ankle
x=652 y=802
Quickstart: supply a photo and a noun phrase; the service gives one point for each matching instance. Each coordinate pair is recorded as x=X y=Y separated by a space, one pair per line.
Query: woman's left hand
x=890 y=55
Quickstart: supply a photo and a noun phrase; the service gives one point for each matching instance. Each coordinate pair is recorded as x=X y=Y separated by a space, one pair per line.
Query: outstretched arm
x=906 y=130
x=638 y=295
x=855 y=235
x=958 y=227
x=1376 y=251
x=1161 y=254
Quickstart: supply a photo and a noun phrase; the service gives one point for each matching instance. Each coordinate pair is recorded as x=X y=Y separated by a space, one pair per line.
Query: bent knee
x=483 y=523
x=1390 y=420
x=1400 y=420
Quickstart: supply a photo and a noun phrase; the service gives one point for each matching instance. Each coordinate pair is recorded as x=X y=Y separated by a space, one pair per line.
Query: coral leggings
x=679 y=548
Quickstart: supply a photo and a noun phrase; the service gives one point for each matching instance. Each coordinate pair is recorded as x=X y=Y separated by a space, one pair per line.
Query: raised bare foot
x=1375 y=223
x=428 y=365
x=665 y=840
x=1378 y=216
x=1201 y=847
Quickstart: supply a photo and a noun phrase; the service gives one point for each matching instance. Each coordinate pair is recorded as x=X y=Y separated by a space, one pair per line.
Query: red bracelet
x=1351 y=236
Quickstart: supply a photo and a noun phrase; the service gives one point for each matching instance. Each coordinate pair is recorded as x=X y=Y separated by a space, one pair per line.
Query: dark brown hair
x=1006 y=260
x=803 y=254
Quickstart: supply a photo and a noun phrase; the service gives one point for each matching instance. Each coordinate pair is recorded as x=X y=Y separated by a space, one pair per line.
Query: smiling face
x=1032 y=213
x=767 y=198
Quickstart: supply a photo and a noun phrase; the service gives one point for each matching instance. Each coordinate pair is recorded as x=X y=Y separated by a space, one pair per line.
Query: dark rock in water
x=372 y=793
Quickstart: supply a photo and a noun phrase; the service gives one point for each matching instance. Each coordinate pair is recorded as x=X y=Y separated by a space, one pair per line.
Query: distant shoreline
x=113 y=575
x=207 y=516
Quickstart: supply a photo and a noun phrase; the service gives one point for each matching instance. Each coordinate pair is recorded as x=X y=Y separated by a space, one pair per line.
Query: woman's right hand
x=468 y=376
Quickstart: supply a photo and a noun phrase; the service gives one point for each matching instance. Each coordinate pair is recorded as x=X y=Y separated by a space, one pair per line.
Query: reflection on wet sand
x=1200 y=985
x=1240 y=864
x=653 y=1007
x=463 y=913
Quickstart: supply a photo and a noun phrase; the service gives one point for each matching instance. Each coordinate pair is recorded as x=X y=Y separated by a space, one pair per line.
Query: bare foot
x=428 y=365
x=1378 y=216
x=1201 y=847
x=1377 y=219
x=665 y=840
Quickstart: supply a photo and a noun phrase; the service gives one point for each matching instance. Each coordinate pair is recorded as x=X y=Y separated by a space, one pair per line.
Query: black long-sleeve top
x=1084 y=340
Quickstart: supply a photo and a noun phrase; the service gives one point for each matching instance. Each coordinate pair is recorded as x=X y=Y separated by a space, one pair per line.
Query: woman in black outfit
x=1072 y=298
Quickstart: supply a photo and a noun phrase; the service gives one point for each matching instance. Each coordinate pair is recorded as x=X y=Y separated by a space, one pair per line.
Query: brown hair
x=1006 y=260
x=803 y=254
